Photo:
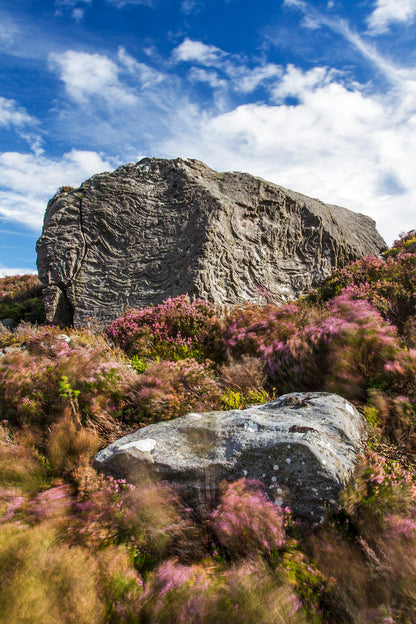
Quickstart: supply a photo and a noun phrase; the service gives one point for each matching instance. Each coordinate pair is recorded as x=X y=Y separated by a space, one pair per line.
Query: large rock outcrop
x=302 y=447
x=161 y=228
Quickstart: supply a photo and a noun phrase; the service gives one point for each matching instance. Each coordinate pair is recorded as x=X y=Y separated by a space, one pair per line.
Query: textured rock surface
x=302 y=446
x=161 y=228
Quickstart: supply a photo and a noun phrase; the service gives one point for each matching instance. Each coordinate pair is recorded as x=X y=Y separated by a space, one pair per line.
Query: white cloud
x=13 y=115
x=247 y=80
x=338 y=143
x=5 y=271
x=387 y=12
x=198 y=52
x=22 y=208
x=148 y=76
x=27 y=181
x=86 y=75
x=79 y=4
x=401 y=79
x=8 y=32
x=188 y=6
x=75 y=7
x=295 y=3
x=197 y=74
x=120 y=4
x=237 y=75
x=78 y=14
x=71 y=3
x=295 y=82
x=315 y=19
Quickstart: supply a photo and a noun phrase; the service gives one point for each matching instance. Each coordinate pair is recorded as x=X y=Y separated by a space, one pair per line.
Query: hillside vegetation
x=76 y=547
x=20 y=299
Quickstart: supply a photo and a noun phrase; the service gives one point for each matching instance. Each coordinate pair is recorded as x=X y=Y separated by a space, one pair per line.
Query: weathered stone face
x=161 y=228
x=302 y=447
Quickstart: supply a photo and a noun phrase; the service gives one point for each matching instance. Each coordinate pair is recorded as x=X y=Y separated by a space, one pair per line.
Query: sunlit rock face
x=161 y=228
x=302 y=447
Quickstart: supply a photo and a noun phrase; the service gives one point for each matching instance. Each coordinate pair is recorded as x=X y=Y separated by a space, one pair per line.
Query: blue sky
x=317 y=96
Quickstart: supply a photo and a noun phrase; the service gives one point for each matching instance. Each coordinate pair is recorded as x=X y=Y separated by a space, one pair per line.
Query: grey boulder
x=161 y=228
x=302 y=447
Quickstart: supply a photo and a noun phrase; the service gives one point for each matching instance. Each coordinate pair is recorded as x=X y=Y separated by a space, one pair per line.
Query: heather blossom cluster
x=168 y=389
x=201 y=593
x=171 y=330
x=388 y=283
x=33 y=381
x=246 y=521
x=346 y=346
